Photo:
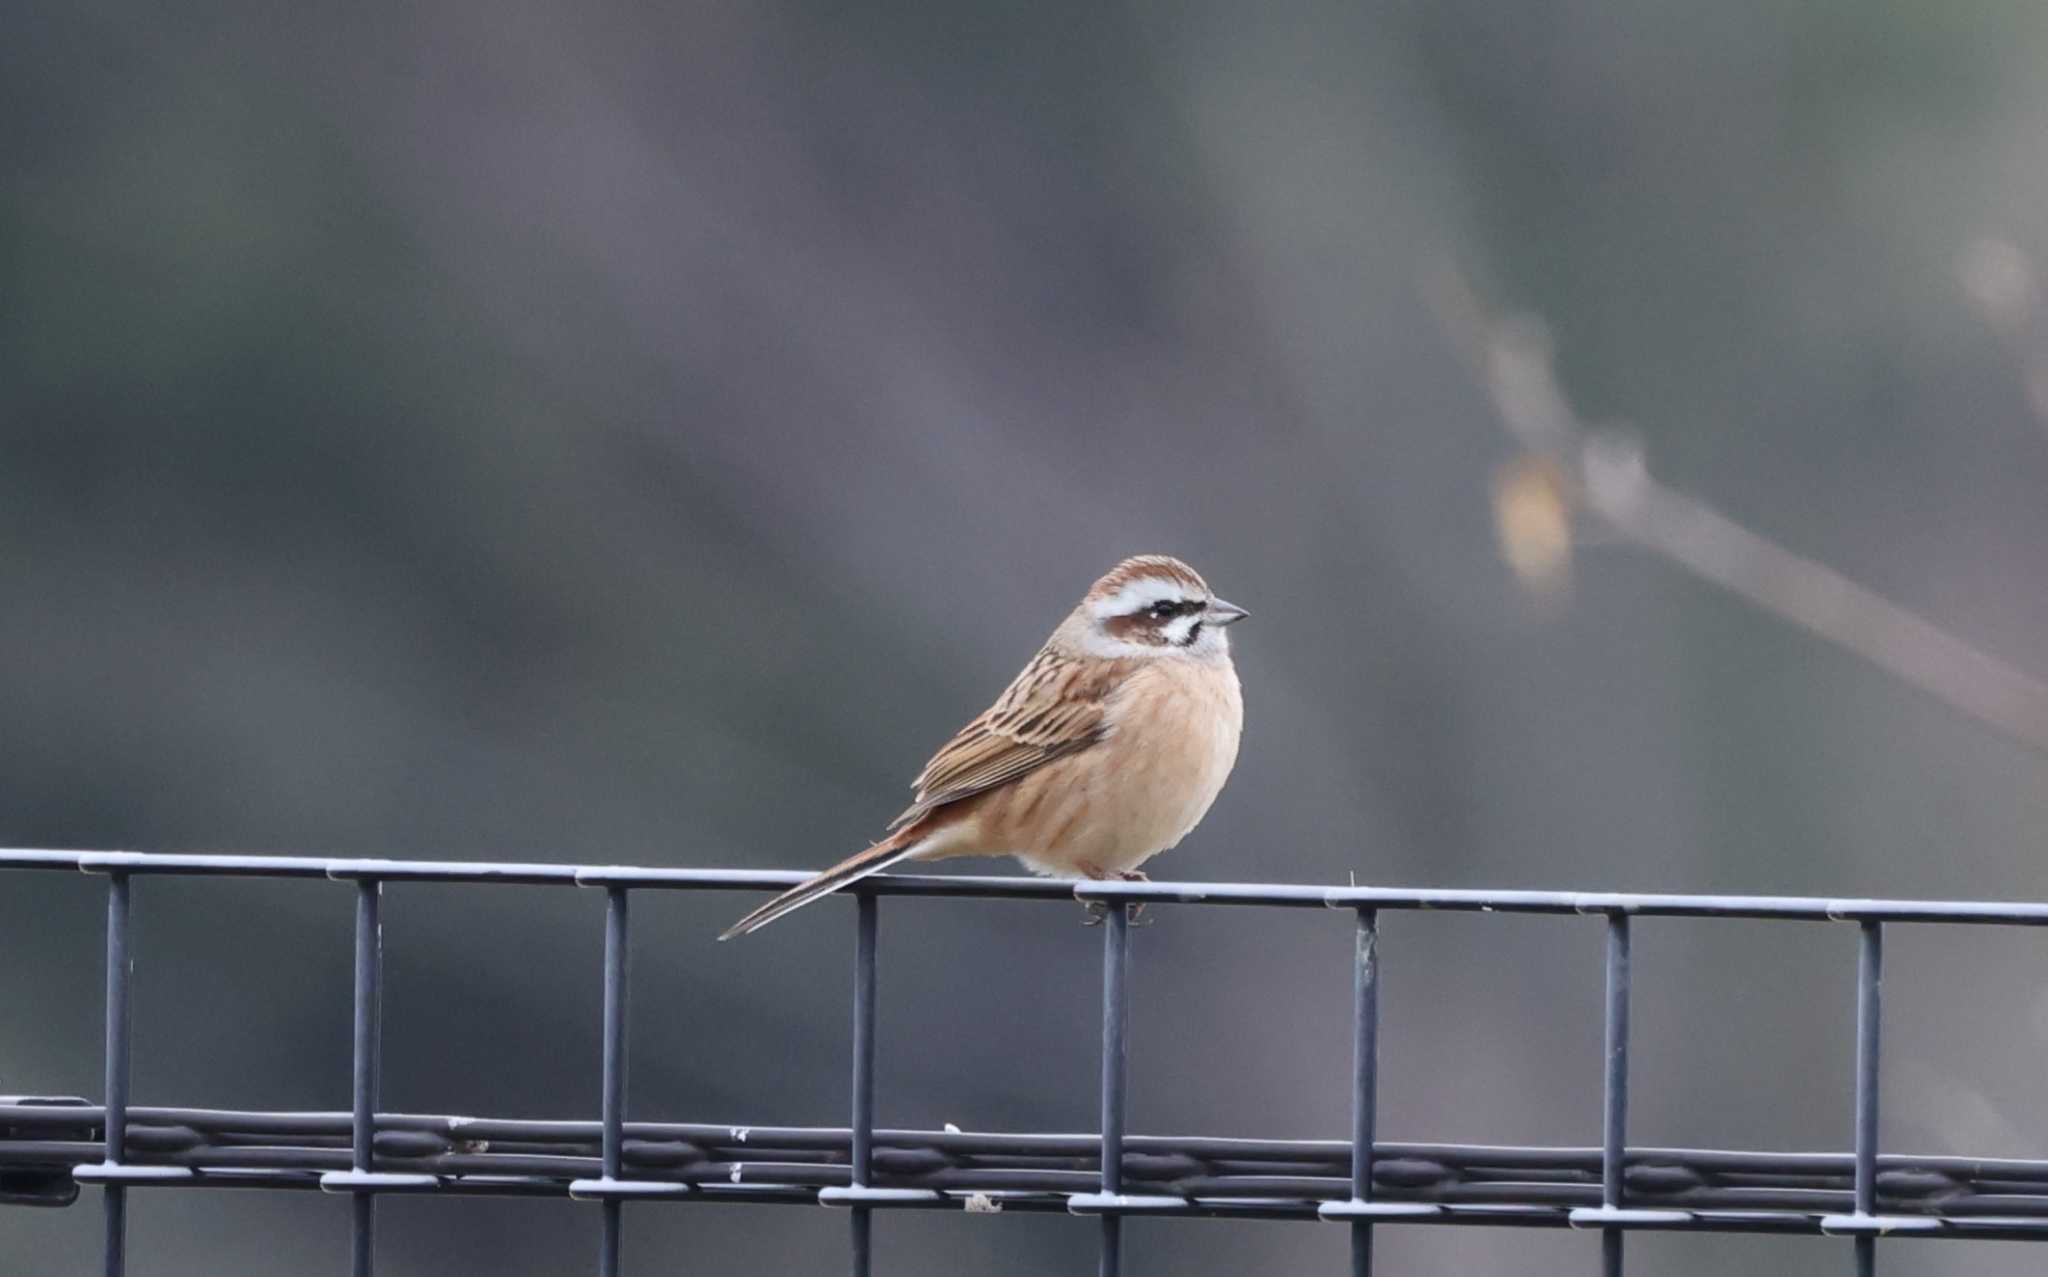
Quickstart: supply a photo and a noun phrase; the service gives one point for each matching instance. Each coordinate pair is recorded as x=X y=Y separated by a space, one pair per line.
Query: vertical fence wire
x=368 y=1028
x=1614 y=1127
x=861 y=1221
x=613 y=1085
x=1365 y=1054
x=115 y=1195
x=1115 y=1005
x=1869 y=1011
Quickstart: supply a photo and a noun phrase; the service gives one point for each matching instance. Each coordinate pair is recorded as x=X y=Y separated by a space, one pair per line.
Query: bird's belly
x=1110 y=809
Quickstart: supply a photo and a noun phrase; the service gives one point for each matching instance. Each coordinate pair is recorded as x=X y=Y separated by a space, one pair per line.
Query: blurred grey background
x=641 y=433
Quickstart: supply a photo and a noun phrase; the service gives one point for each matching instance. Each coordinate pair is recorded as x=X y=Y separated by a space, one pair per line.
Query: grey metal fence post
x=1869 y=1013
x=1614 y=1127
x=368 y=1055
x=119 y=974
x=862 y=1148
x=613 y=1086
x=1115 y=1008
x=1365 y=1054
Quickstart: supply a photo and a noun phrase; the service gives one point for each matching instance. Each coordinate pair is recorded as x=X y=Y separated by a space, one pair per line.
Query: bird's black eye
x=1163 y=609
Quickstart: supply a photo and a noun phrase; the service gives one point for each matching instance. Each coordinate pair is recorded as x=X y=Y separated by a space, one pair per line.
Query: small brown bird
x=1105 y=751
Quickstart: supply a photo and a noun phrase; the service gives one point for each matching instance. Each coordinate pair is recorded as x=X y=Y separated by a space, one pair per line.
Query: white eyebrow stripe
x=1139 y=595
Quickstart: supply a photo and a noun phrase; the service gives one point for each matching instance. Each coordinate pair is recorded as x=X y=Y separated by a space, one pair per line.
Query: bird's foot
x=1139 y=918
x=1097 y=910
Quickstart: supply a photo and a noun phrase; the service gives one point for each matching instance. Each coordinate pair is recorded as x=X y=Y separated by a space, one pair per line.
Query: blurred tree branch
x=2000 y=280
x=1568 y=472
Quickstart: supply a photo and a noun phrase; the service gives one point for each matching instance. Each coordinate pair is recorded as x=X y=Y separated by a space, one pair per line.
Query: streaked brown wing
x=1054 y=708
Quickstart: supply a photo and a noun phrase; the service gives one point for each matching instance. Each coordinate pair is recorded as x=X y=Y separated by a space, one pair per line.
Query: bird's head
x=1153 y=605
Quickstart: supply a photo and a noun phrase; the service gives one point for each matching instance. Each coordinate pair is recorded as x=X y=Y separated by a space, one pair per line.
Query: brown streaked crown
x=1147 y=567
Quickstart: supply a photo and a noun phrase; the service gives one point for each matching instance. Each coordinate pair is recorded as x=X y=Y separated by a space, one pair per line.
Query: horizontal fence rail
x=42 y=1139
x=49 y=1146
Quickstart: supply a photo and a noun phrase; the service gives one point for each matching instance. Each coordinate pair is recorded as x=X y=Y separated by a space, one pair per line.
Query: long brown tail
x=850 y=870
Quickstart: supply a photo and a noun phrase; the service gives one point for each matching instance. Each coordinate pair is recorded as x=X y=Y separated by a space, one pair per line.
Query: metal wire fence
x=48 y=1146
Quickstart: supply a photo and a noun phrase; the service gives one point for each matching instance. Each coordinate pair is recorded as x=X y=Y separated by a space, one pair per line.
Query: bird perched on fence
x=1106 y=750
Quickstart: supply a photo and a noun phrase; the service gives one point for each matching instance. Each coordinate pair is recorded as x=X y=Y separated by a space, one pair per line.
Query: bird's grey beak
x=1224 y=613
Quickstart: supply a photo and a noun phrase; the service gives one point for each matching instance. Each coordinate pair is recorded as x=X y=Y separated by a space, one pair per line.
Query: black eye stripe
x=1165 y=608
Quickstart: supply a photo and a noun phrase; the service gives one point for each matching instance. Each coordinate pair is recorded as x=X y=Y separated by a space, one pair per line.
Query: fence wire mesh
x=51 y=1145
